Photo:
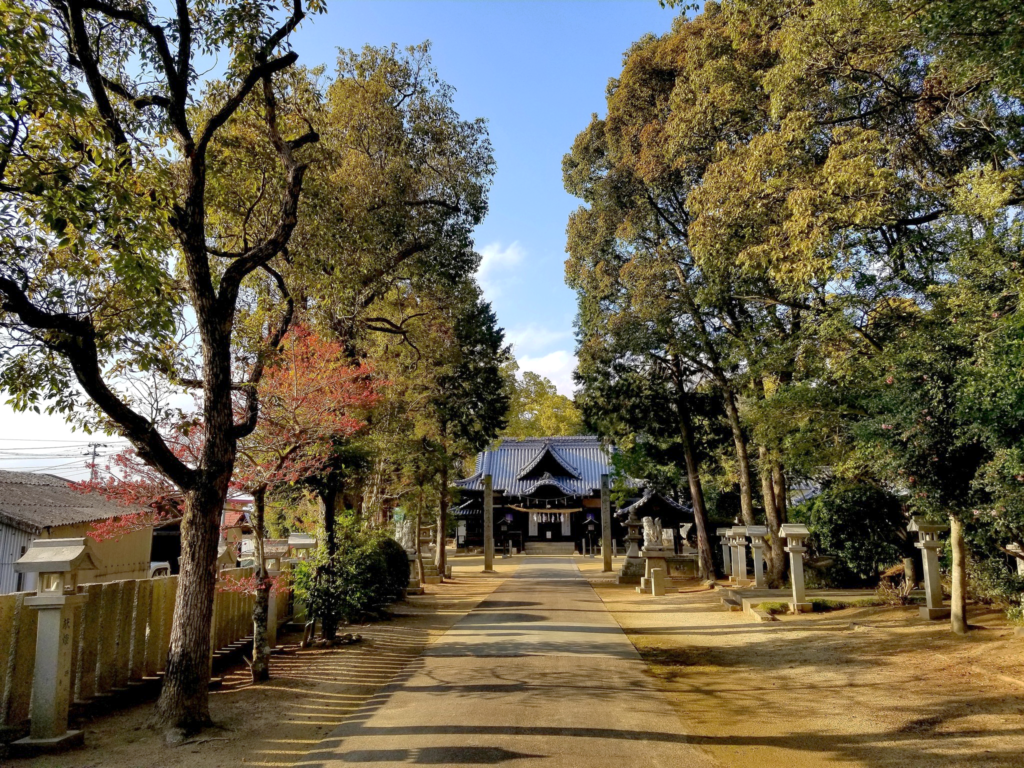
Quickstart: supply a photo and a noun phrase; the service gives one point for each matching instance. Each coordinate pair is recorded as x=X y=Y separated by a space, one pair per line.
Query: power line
x=55 y=440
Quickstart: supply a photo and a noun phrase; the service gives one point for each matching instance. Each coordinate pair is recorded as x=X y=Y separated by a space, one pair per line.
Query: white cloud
x=533 y=339
x=557 y=366
x=496 y=263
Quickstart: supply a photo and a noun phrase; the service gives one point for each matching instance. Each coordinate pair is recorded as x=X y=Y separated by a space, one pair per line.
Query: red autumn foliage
x=249 y=585
x=309 y=398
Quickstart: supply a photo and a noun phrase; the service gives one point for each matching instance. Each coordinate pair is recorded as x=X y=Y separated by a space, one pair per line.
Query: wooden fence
x=122 y=635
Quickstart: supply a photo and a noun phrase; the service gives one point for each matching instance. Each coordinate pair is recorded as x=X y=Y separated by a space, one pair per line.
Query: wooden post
x=488 y=524
x=606 y=525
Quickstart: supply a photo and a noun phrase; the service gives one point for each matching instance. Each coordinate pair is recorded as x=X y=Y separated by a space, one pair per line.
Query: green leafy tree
x=536 y=409
x=107 y=259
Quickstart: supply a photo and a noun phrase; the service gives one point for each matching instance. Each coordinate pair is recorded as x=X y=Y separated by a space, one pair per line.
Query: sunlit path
x=538 y=674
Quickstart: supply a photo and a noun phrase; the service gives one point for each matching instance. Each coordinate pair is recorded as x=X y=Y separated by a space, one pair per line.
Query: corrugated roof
x=512 y=458
x=32 y=502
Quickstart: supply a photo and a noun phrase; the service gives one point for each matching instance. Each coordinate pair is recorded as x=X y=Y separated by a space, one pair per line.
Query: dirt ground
x=310 y=693
x=860 y=686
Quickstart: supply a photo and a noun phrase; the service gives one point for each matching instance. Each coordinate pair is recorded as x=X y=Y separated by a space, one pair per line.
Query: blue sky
x=536 y=70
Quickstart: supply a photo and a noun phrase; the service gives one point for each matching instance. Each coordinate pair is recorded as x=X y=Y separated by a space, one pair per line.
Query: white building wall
x=13 y=541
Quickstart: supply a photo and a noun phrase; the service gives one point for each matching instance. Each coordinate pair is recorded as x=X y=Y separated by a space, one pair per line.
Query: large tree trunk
x=776 y=554
x=742 y=459
x=440 y=556
x=183 y=707
x=700 y=515
x=958 y=602
x=327 y=500
x=260 y=607
x=781 y=490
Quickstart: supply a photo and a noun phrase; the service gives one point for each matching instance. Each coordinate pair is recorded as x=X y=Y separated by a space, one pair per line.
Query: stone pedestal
x=757 y=534
x=632 y=570
x=723 y=536
x=51 y=681
x=929 y=544
x=654 y=559
x=795 y=535
x=414 y=587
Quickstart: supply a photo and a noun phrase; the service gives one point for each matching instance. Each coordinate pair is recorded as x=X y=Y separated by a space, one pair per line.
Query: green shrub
x=861 y=526
x=368 y=572
x=396 y=568
x=772 y=608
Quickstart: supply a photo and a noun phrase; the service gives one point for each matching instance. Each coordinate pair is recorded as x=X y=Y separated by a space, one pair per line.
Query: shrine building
x=547 y=496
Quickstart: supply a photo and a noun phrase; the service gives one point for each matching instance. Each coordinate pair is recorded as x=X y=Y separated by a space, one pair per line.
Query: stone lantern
x=929 y=544
x=274 y=553
x=300 y=545
x=633 y=567
x=226 y=556
x=757 y=534
x=738 y=542
x=795 y=536
x=56 y=563
x=723 y=535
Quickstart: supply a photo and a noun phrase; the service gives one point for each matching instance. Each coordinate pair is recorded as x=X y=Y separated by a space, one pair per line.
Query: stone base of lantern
x=29 y=747
x=933 y=614
x=632 y=571
x=414 y=588
x=430 y=573
x=800 y=607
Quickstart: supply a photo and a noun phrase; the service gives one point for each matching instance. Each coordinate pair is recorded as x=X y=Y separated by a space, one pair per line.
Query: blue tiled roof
x=585 y=459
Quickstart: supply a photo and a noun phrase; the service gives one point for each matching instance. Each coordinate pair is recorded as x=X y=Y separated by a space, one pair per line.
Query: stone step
x=732 y=602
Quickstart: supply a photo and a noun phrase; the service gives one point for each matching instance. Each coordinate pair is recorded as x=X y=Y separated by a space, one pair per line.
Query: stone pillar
x=123 y=642
x=606 y=526
x=738 y=538
x=109 y=601
x=488 y=523
x=51 y=682
x=272 y=617
x=929 y=544
x=140 y=617
x=657 y=582
x=90 y=634
x=795 y=535
x=757 y=534
x=723 y=537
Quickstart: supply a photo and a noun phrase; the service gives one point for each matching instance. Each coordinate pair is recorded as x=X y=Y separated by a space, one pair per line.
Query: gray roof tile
x=585 y=458
x=32 y=502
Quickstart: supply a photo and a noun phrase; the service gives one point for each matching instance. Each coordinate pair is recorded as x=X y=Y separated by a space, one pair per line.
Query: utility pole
x=95 y=447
